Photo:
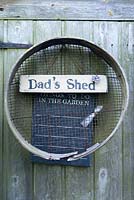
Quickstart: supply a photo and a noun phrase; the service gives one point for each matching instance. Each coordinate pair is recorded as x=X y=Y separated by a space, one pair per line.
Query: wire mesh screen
x=52 y=122
x=59 y=117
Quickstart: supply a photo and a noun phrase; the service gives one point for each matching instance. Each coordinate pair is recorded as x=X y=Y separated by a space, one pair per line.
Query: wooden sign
x=63 y=83
x=56 y=125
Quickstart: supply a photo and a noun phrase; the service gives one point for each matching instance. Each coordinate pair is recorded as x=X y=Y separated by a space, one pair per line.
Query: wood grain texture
x=127 y=61
x=1 y=110
x=79 y=182
x=44 y=30
x=68 y=9
x=48 y=179
x=112 y=174
x=108 y=163
x=17 y=165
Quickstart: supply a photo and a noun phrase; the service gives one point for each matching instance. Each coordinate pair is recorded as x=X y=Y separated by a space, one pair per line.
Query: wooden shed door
x=111 y=174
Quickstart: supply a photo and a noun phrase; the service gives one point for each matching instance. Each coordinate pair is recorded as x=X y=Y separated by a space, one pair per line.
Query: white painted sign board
x=63 y=83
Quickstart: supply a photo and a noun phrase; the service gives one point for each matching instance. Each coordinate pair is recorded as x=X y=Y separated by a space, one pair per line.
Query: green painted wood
x=1 y=111
x=48 y=179
x=70 y=9
x=79 y=181
x=108 y=163
x=17 y=165
x=128 y=124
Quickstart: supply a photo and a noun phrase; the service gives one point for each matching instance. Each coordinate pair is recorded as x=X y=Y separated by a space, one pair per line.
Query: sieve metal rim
x=67 y=40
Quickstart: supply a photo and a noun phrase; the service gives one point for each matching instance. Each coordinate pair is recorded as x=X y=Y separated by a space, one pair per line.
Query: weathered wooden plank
x=78 y=29
x=44 y=30
x=68 y=182
x=79 y=182
x=17 y=165
x=49 y=182
x=127 y=51
x=48 y=179
x=108 y=163
x=1 y=112
x=66 y=83
x=68 y=9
